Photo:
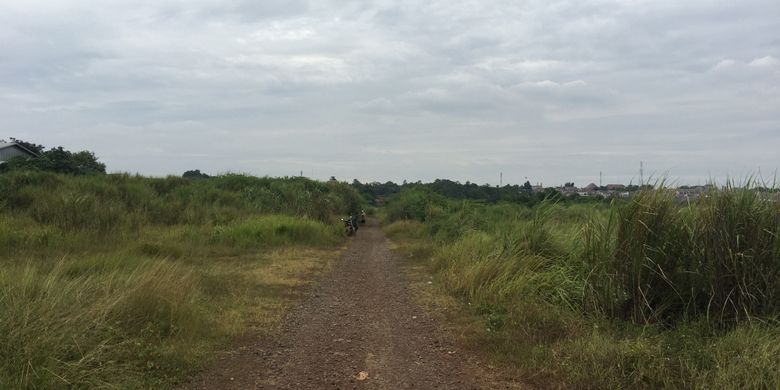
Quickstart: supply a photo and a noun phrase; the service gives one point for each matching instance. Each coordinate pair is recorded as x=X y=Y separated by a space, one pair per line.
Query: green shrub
x=274 y=231
x=415 y=204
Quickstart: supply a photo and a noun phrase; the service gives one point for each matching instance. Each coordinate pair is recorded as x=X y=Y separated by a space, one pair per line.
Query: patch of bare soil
x=357 y=329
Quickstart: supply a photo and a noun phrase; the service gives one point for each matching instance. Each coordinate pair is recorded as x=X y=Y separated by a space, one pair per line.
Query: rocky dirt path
x=357 y=329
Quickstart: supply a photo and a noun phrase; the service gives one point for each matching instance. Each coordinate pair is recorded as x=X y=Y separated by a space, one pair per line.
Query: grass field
x=120 y=281
x=646 y=293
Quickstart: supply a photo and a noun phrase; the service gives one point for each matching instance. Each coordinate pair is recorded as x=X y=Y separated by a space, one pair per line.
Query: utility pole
x=501 y=179
x=641 y=174
x=600 y=185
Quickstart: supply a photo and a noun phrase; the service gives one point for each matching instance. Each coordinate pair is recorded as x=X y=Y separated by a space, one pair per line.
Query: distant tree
x=527 y=187
x=376 y=190
x=87 y=163
x=57 y=160
x=195 y=174
x=552 y=195
x=568 y=185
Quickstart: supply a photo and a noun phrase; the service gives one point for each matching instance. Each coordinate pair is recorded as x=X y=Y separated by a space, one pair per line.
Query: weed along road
x=357 y=329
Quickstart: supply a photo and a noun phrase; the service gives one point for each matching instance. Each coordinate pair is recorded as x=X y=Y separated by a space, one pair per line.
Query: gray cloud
x=376 y=90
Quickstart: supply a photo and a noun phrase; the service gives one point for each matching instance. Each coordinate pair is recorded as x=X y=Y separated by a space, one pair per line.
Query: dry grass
x=279 y=283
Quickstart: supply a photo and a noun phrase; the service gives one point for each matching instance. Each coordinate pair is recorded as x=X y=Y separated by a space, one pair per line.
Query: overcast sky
x=553 y=91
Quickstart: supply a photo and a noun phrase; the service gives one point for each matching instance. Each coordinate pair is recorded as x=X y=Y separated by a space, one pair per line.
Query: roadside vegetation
x=517 y=194
x=642 y=293
x=121 y=281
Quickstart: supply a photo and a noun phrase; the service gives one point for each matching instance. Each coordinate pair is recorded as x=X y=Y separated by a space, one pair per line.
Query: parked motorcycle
x=349 y=227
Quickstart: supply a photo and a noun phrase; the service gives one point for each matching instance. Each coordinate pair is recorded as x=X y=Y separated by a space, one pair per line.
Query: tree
x=87 y=163
x=57 y=160
x=195 y=174
x=551 y=195
x=527 y=187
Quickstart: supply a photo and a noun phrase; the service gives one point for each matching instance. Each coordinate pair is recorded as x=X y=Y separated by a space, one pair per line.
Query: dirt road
x=358 y=329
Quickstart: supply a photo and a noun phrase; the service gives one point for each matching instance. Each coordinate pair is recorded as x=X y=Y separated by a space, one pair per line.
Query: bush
x=415 y=204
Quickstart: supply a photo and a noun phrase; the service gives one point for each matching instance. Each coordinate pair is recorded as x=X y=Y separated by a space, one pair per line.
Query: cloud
x=762 y=63
x=724 y=64
x=767 y=62
x=552 y=84
x=397 y=90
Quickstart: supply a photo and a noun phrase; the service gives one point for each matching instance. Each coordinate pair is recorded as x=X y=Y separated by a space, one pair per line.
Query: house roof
x=4 y=145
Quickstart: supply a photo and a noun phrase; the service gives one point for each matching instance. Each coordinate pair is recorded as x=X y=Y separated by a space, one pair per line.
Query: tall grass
x=105 y=203
x=716 y=258
x=125 y=281
x=648 y=293
x=275 y=231
x=65 y=329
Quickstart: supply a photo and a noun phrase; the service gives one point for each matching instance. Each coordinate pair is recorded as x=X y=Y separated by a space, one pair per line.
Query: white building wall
x=9 y=153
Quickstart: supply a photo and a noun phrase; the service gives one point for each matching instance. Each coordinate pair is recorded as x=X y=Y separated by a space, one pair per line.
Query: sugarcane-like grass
x=648 y=292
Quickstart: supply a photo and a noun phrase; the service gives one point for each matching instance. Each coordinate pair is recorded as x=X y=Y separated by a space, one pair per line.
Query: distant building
x=694 y=192
x=615 y=187
x=11 y=150
x=568 y=191
x=590 y=187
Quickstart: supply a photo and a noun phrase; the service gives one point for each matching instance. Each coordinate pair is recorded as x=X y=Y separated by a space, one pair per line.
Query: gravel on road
x=357 y=328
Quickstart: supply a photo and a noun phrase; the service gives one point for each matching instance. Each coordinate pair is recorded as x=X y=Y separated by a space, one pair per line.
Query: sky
x=540 y=90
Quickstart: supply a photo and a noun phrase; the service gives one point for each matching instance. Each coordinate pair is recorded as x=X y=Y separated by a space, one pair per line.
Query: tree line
x=377 y=192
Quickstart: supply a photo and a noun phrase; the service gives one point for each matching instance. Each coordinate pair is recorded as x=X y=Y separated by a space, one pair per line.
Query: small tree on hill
x=195 y=174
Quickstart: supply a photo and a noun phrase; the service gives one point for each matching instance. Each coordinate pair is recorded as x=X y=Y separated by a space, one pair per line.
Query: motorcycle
x=349 y=228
